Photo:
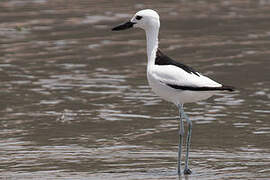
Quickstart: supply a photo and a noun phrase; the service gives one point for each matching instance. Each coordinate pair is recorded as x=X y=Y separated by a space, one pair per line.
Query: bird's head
x=146 y=19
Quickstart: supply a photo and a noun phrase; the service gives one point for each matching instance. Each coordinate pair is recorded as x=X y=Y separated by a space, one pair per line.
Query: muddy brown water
x=75 y=103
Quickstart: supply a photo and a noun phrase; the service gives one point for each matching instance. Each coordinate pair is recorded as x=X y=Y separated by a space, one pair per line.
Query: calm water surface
x=75 y=103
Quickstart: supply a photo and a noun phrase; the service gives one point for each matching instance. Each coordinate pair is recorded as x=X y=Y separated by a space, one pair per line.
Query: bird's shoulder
x=162 y=59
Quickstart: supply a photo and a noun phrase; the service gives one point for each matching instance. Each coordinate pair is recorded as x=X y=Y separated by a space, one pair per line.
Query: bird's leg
x=181 y=134
x=187 y=170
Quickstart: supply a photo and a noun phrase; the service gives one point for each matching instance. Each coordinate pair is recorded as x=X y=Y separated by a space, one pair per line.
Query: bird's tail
x=228 y=88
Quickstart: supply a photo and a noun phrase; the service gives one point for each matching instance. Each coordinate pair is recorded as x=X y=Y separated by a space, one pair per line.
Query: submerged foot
x=187 y=171
x=179 y=172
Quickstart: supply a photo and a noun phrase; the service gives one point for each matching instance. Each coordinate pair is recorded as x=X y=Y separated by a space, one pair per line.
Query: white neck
x=152 y=45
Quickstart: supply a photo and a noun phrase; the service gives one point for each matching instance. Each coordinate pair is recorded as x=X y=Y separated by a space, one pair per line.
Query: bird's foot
x=179 y=171
x=187 y=171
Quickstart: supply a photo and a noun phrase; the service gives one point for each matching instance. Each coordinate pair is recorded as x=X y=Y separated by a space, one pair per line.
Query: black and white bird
x=171 y=80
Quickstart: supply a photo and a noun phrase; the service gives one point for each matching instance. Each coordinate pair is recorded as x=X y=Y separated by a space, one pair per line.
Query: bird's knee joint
x=181 y=132
x=189 y=123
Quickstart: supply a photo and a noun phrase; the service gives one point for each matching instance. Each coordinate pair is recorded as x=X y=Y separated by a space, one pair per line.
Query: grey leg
x=187 y=170
x=181 y=134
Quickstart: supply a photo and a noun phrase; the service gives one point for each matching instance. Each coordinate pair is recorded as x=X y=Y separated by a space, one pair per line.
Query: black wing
x=162 y=59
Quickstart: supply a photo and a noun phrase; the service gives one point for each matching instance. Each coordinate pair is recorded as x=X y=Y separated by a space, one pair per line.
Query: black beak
x=123 y=26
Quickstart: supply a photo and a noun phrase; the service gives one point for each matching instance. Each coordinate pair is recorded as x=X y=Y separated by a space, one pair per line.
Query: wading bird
x=171 y=80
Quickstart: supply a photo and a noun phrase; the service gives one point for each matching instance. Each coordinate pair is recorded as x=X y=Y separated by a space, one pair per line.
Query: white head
x=146 y=19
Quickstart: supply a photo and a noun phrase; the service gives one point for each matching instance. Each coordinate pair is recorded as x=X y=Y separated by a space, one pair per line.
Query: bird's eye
x=138 y=17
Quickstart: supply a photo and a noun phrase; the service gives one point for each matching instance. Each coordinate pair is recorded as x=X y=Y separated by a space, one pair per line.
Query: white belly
x=176 y=96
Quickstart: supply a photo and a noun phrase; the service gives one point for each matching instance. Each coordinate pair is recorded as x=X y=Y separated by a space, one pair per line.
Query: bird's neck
x=152 y=45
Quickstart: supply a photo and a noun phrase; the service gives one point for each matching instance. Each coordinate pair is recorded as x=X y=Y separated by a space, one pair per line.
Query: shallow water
x=75 y=102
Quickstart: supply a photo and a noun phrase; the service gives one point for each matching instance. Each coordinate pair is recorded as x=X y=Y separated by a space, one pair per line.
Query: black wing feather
x=191 y=88
x=162 y=59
